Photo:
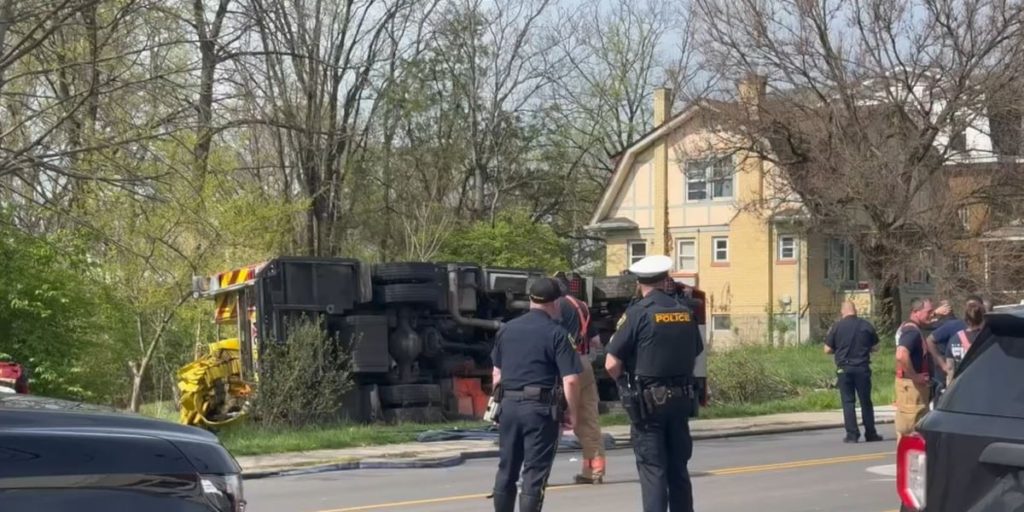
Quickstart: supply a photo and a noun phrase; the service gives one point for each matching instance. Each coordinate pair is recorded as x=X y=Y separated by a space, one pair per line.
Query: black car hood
x=25 y=417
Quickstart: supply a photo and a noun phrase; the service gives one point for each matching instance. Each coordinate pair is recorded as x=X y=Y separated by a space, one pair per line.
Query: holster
x=559 y=404
x=657 y=397
x=494 y=405
x=632 y=401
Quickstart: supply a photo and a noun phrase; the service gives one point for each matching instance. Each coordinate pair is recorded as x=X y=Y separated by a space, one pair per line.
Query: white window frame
x=964 y=214
x=630 y=255
x=961 y=264
x=847 y=256
x=710 y=172
x=794 y=247
x=714 y=249
x=694 y=255
x=716 y=317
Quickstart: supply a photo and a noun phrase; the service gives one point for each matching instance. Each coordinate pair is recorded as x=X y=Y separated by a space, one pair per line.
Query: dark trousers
x=663 y=446
x=527 y=438
x=854 y=384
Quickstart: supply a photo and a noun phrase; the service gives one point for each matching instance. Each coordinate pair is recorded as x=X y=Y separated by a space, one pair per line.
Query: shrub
x=303 y=380
x=743 y=376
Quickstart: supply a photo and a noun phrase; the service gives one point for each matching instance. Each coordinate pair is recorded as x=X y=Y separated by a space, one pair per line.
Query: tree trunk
x=138 y=372
x=6 y=20
x=887 y=307
x=140 y=367
x=208 y=55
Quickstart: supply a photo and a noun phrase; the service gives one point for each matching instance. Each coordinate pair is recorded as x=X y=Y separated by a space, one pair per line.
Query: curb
x=779 y=429
x=456 y=460
x=376 y=463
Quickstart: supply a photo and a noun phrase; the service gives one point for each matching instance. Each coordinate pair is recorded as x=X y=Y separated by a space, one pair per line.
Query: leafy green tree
x=512 y=240
x=54 y=314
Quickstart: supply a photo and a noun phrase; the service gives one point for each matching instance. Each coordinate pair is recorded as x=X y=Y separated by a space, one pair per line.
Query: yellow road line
x=740 y=470
x=430 y=501
x=799 y=464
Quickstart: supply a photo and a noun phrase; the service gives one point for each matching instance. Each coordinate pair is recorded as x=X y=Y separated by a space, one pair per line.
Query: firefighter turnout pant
x=527 y=439
x=588 y=428
x=663 y=446
x=911 y=405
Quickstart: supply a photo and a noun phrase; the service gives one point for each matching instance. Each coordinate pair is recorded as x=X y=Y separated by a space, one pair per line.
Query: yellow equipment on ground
x=213 y=393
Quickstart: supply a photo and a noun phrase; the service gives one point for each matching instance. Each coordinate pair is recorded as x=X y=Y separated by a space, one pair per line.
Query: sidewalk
x=452 y=453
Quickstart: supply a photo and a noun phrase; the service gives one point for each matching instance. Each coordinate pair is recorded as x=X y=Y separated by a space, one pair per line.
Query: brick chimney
x=662 y=242
x=751 y=91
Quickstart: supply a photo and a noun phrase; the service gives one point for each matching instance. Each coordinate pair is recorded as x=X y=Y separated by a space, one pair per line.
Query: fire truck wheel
x=410 y=394
x=422 y=293
x=390 y=273
x=414 y=415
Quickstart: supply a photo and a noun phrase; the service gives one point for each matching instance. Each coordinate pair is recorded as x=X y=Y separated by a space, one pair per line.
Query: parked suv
x=65 y=456
x=968 y=453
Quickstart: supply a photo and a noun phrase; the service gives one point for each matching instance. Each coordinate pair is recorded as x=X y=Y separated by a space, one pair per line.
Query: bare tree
x=319 y=63
x=616 y=54
x=865 y=102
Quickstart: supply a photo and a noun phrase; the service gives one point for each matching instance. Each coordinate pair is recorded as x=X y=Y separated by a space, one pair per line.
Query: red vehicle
x=13 y=378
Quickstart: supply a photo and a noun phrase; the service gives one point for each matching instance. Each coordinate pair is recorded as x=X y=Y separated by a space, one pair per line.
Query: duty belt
x=528 y=393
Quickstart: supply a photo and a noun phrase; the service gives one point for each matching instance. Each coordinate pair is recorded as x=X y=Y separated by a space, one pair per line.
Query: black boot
x=504 y=502
x=529 y=503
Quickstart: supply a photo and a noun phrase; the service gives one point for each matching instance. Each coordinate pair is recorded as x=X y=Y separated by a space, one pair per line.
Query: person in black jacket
x=652 y=357
x=852 y=340
x=533 y=357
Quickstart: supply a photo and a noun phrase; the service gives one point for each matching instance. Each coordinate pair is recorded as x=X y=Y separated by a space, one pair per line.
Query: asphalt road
x=802 y=472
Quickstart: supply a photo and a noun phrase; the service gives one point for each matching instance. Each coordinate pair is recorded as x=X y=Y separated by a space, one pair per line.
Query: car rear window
x=991 y=383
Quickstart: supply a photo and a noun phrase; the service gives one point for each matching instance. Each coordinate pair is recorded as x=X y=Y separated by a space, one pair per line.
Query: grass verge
x=782 y=380
x=250 y=439
x=751 y=381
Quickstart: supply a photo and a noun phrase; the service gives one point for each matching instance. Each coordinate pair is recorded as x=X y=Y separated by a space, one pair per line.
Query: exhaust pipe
x=454 y=301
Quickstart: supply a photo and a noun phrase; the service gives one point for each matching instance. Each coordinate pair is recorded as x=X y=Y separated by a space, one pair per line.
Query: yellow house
x=682 y=190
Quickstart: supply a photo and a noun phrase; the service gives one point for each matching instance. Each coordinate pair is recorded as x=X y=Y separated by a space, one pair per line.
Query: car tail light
x=911 y=471
x=226 y=491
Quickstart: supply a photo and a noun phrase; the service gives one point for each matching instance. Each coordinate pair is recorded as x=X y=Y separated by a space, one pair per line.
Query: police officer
x=532 y=358
x=652 y=356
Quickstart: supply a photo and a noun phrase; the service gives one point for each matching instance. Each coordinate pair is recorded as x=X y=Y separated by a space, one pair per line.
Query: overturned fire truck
x=418 y=335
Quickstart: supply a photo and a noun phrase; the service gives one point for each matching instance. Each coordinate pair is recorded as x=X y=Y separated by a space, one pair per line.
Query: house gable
x=617 y=195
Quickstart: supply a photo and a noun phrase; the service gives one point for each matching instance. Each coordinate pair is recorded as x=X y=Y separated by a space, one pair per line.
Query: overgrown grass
x=782 y=380
x=164 y=410
x=772 y=380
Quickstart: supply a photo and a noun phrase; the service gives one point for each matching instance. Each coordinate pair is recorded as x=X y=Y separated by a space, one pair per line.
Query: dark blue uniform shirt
x=637 y=332
x=852 y=339
x=911 y=340
x=946 y=331
x=533 y=350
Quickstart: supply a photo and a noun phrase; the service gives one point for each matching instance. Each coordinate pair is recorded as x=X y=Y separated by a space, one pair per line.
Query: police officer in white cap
x=651 y=357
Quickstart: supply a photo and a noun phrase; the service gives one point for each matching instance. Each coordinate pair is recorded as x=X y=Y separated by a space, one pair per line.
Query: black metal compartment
x=294 y=285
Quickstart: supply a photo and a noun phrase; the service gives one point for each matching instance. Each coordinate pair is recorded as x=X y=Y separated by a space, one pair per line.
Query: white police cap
x=651 y=266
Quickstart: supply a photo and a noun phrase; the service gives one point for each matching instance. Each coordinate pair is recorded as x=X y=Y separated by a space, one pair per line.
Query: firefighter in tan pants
x=576 y=320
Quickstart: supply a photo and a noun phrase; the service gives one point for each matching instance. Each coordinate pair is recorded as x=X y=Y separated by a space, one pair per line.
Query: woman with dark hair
x=960 y=343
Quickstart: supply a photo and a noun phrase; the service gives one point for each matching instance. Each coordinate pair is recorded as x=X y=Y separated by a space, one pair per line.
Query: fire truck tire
x=414 y=415
x=420 y=293
x=390 y=273
x=410 y=394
